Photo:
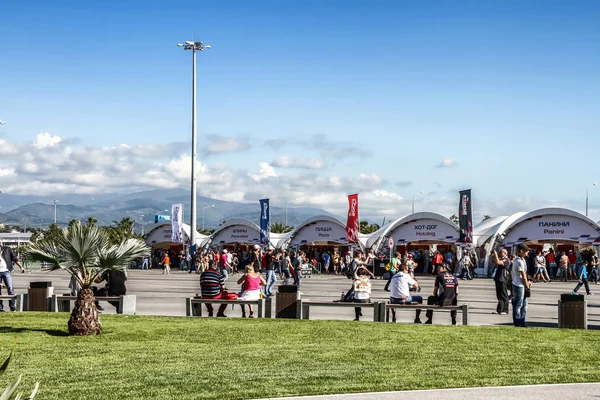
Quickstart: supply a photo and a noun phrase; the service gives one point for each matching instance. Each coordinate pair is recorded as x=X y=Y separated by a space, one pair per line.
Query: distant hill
x=139 y=206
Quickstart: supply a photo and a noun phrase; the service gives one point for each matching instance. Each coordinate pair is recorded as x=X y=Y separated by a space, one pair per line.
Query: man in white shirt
x=520 y=282
x=7 y=259
x=401 y=284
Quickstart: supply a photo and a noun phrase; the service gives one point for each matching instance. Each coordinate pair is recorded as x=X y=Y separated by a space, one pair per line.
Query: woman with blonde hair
x=251 y=283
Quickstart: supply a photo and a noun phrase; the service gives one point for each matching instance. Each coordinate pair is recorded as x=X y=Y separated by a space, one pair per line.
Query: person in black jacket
x=7 y=260
x=502 y=265
x=115 y=286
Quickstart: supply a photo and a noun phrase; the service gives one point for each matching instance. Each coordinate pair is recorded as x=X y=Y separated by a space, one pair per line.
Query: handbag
x=527 y=292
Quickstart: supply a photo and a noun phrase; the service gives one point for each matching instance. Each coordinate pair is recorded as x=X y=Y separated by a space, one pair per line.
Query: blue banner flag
x=265 y=224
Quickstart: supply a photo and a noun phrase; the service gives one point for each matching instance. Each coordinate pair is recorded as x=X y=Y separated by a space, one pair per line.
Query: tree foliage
x=278 y=227
x=366 y=228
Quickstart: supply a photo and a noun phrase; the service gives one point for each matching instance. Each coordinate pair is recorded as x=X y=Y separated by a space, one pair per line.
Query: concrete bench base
x=305 y=307
x=385 y=310
x=193 y=306
x=127 y=303
x=20 y=298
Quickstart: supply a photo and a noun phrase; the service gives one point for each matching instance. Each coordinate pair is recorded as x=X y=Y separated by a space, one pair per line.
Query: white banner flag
x=176 y=222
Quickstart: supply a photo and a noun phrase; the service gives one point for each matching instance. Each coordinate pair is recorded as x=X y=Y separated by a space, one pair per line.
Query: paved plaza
x=546 y=392
x=159 y=294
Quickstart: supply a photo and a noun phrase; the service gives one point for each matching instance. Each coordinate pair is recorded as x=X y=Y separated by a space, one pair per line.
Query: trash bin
x=39 y=295
x=572 y=311
x=286 y=301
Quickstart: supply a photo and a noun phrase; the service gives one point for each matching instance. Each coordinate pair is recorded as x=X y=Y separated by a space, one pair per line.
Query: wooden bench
x=18 y=297
x=386 y=307
x=191 y=311
x=305 y=306
x=127 y=303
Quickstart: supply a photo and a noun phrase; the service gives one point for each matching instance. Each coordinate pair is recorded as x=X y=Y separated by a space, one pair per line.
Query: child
x=582 y=274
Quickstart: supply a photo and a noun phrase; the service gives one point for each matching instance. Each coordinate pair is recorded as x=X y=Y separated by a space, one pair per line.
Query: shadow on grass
x=534 y=324
x=51 y=332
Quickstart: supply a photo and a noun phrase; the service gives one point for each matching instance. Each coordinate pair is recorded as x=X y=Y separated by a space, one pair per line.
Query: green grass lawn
x=182 y=358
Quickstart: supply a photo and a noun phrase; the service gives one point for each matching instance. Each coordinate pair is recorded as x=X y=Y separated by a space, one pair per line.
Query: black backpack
x=350 y=270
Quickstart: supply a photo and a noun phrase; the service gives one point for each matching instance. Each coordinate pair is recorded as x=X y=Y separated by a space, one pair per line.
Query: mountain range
x=139 y=206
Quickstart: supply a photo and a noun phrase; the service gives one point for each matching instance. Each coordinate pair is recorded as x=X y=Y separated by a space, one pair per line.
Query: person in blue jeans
x=7 y=259
x=583 y=279
x=520 y=282
x=270 y=277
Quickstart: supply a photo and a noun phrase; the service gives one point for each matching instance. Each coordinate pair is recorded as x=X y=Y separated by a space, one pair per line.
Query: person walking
x=500 y=280
x=166 y=262
x=362 y=289
x=572 y=264
x=7 y=259
x=594 y=270
x=583 y=279
x=270 y=268
x=224 y=264
x=520 y=284
x=541 y=272
x=563 y=265
x=466 y=263
x=286 y=263
x=394 y=267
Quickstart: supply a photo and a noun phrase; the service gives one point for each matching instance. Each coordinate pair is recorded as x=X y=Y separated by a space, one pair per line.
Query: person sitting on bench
x=401 y=284
x=445 y=293
x=115 y=286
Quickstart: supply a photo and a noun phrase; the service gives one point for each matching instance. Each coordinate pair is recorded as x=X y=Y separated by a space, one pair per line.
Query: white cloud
x=45 y=139
x=7 y=171
x=299 y=162
x=446 y=163
x=221 y=144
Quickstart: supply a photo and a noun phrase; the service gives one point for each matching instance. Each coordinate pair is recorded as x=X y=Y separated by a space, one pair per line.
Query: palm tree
x=278 y=227
x=85 y=252
x=92 y=221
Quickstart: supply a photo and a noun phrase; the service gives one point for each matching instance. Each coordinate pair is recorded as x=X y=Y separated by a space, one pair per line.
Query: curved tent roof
x=419 y=226
x=160 y=232
x=488 y=228
x=551 y=224
x=322 y=228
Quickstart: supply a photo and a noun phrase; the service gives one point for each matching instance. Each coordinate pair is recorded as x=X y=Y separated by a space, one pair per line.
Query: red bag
x=225 y=295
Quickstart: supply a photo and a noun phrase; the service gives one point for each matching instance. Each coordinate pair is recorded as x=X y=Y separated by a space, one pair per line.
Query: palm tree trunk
x=84 y=319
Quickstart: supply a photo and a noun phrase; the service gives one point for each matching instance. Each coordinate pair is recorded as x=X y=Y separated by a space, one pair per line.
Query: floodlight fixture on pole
x=193 y=46
x=413 y=202
x=587 y=198
x=2 y=122
x=55 y=202
x=286 y=211
x=204 y=208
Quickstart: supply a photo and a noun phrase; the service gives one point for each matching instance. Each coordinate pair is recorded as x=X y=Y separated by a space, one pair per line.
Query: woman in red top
x=251 y=283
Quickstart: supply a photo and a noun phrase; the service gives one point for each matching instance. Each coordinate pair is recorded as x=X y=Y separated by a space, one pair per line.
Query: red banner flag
x=352 y=222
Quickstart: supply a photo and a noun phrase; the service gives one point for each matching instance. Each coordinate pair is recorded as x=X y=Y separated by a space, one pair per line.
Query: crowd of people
x=513 y=274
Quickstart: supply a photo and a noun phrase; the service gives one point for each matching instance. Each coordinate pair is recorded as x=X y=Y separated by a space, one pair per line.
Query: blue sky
x=307 y=99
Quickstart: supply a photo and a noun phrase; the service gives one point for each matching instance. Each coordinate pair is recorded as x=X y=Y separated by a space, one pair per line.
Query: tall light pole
x=204 y=208
x=413 y=202
x=193 y=46
x=286 y=213
x=25 y=224
x=55 y=202
x=587 y=198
